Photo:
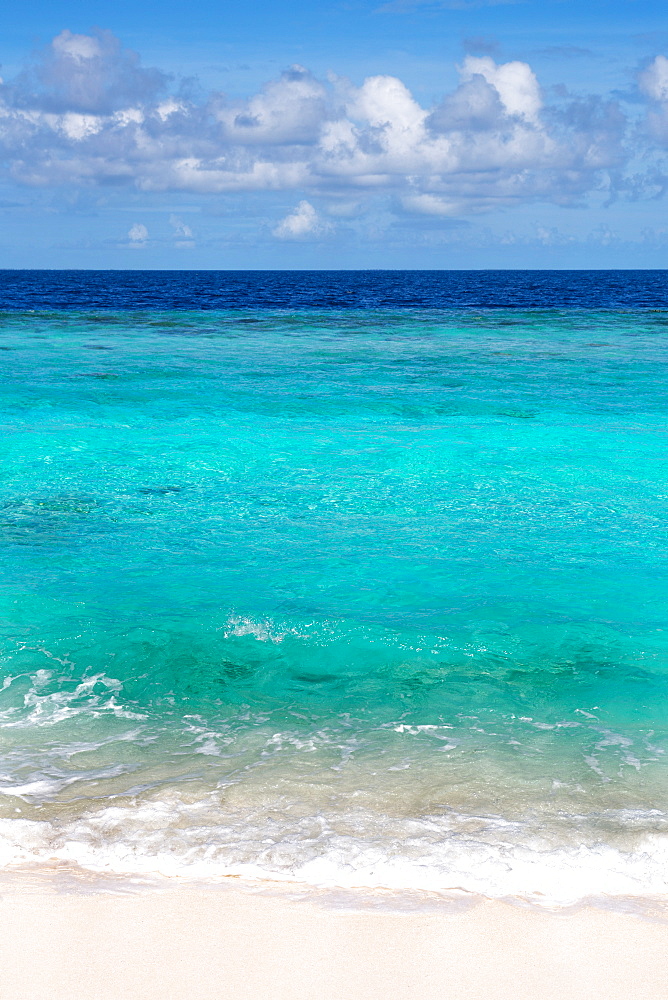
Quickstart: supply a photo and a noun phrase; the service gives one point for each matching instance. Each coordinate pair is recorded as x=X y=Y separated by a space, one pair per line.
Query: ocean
x=337 y=578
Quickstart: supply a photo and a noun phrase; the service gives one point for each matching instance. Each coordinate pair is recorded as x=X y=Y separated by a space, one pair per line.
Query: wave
x=176 y=836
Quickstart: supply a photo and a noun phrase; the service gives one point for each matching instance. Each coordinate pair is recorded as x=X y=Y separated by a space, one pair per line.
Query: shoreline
x=61 y=876
x=67 y=935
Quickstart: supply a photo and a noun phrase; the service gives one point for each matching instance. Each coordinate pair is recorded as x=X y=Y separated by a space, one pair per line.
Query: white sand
x=185 y=943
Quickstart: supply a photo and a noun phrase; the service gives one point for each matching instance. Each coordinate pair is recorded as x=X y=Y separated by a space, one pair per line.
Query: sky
x=338 y=134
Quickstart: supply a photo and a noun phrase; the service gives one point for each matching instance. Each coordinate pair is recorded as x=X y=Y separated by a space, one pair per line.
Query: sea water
x=356 y=595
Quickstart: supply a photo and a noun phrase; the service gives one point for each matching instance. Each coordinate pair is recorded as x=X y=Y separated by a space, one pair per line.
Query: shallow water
x=359 y=597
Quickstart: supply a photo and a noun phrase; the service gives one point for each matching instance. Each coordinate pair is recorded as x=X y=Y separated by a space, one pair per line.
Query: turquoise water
x=363 y=598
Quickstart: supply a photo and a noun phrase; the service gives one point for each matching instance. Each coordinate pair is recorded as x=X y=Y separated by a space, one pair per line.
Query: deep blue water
x=21 y=290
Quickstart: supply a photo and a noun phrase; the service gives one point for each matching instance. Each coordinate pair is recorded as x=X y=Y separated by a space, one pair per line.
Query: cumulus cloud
x=180 y=228
x=654 y=79
x=89 y=113
x=138 y=233
x=289 y=110
x=653 y=82
x=182 y=232
x=302 y=223
x=86 y=74
x=514 y=82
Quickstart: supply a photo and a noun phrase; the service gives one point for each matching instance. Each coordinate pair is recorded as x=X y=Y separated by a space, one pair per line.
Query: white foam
x=95 y=695
x=270 y=806
x=263 y=631
x=171 y=837
x=40 y=788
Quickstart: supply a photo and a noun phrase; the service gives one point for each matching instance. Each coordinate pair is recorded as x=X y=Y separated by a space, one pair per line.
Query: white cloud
x=86 y=73
x=551 y=236
x=386 y=102
x=180 y=227
x=288 y=110
x=183 y=234
x=514 y=82
x=428 y=204
x=88 y=113
x=138 y=233
x=654 y=80
x=169 y=107
x=301 y=223
x=77 y=126
x=77 y=47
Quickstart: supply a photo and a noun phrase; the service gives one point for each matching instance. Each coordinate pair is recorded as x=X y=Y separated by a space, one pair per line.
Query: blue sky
x=343 y=134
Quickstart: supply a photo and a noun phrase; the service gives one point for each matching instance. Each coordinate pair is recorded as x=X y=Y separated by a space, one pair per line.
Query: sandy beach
x=182 y=942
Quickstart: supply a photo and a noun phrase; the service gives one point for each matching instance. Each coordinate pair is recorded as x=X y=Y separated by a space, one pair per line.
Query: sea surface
x=340 y=578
